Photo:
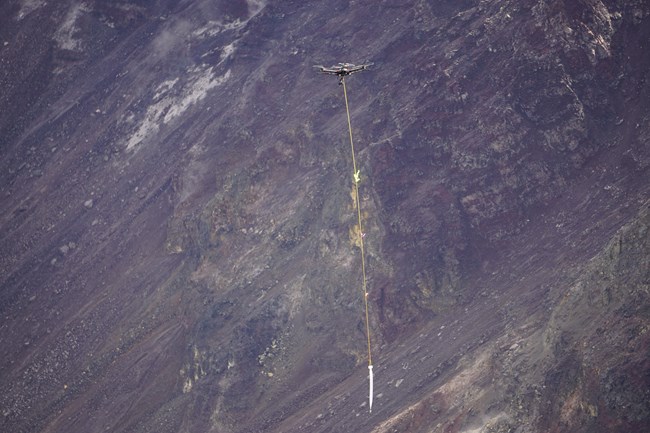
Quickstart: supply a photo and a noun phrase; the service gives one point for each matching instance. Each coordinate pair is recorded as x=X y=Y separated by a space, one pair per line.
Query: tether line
x=356 y=179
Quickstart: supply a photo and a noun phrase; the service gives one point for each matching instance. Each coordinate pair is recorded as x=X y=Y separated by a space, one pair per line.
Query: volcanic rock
x=179 y=240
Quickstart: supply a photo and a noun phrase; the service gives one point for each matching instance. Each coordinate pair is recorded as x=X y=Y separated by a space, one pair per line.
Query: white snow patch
x=66 y=34
x=149 y=125
x=164 y=87
x=168 y=107
x=197 y=91
x=227 y=51
x=213 y=28
x=207 y=30
x=29 y=6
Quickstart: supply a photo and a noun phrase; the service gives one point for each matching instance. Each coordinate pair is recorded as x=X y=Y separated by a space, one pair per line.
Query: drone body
x=343 y=69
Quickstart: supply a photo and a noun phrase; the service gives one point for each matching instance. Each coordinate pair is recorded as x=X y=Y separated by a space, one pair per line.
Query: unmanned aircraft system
x=342 y=70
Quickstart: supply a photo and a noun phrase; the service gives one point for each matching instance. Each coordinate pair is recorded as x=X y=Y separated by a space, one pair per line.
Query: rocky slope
x=177 y=227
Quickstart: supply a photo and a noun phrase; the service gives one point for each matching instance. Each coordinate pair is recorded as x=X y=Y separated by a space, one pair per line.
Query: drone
x=343 y=69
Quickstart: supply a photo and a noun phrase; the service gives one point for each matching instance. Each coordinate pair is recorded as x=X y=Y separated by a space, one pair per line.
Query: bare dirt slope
x=178 y=234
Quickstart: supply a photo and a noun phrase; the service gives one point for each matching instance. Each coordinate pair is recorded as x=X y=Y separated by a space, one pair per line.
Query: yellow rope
x=358 y=202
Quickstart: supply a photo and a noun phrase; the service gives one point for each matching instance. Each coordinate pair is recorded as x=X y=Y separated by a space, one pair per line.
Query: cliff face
x=178 y=235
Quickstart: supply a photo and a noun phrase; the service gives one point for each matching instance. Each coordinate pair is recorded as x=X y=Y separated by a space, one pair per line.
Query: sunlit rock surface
x=178 y=233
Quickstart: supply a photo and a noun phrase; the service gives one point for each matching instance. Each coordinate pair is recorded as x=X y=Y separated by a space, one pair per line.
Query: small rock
x=89 y=203
x=514 y=347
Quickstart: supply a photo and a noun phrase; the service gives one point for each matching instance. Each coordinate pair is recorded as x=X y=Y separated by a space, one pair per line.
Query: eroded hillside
x=178 y=233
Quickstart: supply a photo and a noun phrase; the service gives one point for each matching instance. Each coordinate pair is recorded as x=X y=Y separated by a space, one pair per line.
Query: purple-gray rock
x=186 y=259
